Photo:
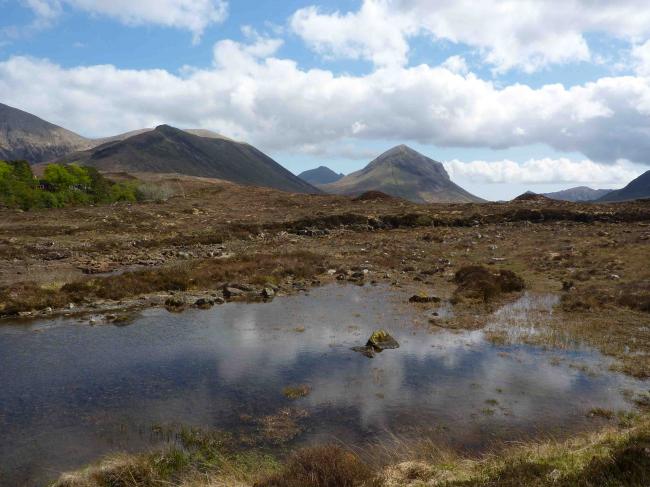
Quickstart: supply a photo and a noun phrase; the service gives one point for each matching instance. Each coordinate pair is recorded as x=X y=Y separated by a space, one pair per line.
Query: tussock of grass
x=480 y=282
x=322 y=466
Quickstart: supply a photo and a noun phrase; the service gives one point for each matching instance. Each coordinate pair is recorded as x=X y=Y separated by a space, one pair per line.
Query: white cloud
x=526 y=34
x=544 y=171
x=641 y=59
x=273 y=103
x=192 y=15
x=456 y=64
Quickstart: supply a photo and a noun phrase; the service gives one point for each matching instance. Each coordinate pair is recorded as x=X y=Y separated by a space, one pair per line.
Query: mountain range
x=400 y=171
x=579 y=193
x=320 y=175
x=405 y=173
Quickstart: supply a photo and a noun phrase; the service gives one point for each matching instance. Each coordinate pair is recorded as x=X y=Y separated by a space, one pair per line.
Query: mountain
x=579 y=193
x=167 y=149
x=25 y=136
x=405 y=173
x=320 y=175
x=636 y=189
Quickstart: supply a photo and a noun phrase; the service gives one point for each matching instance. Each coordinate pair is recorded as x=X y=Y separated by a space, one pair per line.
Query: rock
x=175 y=303
x=183 y=255
x=204 y=303
x=232 y=291
x=382 y=340
x=268 y=293
x=358 y=276
x=419 y=298
x=219 y=300
x=379 y=340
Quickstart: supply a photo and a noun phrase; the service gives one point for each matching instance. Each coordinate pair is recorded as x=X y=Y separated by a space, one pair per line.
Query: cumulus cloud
x=525 y=34
x=192 y=15
x=543 y=171
x=251 y=95
x=641 y=59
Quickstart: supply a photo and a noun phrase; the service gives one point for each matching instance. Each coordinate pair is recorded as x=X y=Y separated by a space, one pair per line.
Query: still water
x=71 y=392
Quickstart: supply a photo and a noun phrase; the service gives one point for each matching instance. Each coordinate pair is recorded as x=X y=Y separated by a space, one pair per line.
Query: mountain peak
x=320 y=175
x=405 y=173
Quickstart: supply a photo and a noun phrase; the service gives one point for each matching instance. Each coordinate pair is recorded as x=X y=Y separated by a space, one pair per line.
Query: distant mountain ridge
x=637 y=189
x=25 y=136
x=320 y=175
x=405 y=173
x=167 y=149
x=579 y=193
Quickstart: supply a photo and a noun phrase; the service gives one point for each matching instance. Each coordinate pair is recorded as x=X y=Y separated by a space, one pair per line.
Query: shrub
x=154 y=192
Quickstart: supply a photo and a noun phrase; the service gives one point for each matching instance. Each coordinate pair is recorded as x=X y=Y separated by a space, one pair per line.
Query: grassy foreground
x=614 y=456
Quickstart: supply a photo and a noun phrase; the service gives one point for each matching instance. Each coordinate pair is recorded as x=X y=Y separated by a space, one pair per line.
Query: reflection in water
x=71 y=393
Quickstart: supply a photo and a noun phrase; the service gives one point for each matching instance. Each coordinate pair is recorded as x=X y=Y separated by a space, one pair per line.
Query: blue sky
x=509 y=95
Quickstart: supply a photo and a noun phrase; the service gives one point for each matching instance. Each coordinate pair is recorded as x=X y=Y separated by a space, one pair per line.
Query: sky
x=511 y=95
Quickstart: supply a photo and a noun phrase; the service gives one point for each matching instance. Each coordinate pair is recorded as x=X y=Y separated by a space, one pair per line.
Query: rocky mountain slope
x=405 y=173
x=637 y=188
x=170 y=150
x=25 y=136
x=320 y=175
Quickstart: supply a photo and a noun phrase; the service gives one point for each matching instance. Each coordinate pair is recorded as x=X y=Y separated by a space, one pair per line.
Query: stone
x=419 y=298
x=379 y=341
x=204 y=303
x=382 y=340
x=268 y=293
x=175 y=303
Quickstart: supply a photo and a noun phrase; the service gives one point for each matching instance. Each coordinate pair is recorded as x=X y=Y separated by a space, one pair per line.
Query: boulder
x=231 y=291
x=382 y=340
x=379 y=340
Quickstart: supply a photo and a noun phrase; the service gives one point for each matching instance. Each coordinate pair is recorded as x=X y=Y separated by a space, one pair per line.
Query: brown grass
x=322 y=466
x=481 y=282
x=196 y=274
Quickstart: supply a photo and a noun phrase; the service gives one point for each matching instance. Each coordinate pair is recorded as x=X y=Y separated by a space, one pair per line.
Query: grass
x=477 y=281
x=322 y=466
x=613 y=456
x=195 y=274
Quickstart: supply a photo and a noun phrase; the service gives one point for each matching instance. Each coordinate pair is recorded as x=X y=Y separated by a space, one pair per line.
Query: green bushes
x=61 y=185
